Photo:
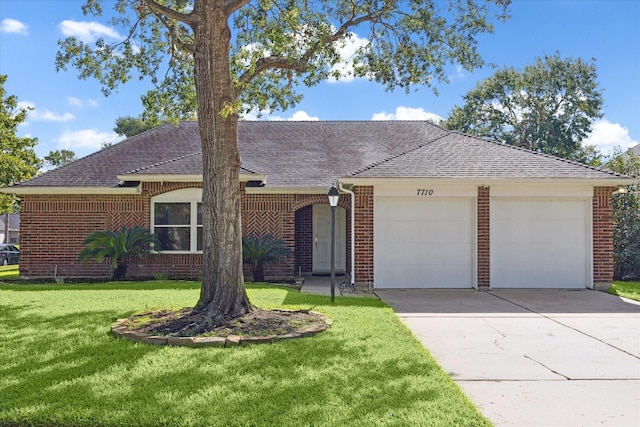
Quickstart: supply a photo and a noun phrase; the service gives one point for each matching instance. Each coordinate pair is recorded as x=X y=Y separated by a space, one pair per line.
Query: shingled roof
x=459 y=156
x=315 y=154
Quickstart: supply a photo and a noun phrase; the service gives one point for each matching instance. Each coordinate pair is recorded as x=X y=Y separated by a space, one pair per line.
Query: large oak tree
x=242 y=54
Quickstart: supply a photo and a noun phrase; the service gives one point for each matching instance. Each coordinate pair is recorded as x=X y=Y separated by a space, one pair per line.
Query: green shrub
x=119 y=247
x=261 y=251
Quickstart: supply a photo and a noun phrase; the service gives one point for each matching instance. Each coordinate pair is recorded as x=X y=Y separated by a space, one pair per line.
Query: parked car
x=9 y=254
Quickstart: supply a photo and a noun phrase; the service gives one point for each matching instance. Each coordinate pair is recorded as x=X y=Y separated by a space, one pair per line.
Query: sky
x=72 y=114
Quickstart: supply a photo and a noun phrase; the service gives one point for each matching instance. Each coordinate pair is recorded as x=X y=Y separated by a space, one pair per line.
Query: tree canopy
x=131 y=126
x=549 y=107
x=243 y=55
x=18 y=160
x=59 y=158
x=626 y=217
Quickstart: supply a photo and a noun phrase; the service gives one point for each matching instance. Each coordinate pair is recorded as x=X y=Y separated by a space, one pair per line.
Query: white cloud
x=13 y=26
x=298 y=116
x=87 y=31
x=86 y=139
x=458 y=75
x=77 y=102
x=408 y=113
x=43 y=115
x=606 y=135
x=347 y=49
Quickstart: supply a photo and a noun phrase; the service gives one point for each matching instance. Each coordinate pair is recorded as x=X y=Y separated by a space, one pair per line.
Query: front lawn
x=61 y=367
x=629 y=290
x=9 y=272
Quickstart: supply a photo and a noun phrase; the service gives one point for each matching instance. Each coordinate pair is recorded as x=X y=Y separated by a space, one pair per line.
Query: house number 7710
x=425 y=192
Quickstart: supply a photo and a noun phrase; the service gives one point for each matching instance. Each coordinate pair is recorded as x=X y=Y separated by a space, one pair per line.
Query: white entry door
x=322 y=238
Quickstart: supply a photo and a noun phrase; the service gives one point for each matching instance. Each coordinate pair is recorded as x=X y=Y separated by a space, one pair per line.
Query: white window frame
x=187 y=195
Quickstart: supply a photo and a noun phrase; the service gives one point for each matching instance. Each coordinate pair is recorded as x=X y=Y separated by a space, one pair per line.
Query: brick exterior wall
x=483 y=239
x=304 y=239
x=54 y=226
x=364 y=235
x=602 y=236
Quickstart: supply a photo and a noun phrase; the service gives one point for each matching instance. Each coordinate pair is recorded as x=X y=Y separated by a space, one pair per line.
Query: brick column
x=602 y=237
x=483 y=239
x=363 y=234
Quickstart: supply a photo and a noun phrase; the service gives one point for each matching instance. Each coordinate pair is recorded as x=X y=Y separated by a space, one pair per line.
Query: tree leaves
x=18 y=160
x=547 y=107
x=278 y=45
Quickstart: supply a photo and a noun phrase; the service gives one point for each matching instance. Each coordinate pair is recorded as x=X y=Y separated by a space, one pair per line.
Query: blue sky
x=73 y=114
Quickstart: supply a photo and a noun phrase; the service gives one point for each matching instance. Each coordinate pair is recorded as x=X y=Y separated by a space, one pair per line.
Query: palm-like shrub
x=118 y=246
x=261 y=251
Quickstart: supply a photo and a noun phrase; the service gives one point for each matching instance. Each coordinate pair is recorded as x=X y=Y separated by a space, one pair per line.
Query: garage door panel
x=434 y=233
x=423 y=243
x=539 y=243
x=414 y=276
x=513 y=276
x=426 y=255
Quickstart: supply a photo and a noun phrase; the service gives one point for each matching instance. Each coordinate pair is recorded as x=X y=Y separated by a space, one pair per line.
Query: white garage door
x=423 y=243
x=539 y=243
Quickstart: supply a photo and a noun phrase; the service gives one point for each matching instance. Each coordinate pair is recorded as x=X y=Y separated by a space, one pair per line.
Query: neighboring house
x=421 y=206
x=635 y=150
x=10 y=228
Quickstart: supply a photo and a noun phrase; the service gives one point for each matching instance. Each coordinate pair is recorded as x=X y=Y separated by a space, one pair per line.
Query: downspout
x=353 y=231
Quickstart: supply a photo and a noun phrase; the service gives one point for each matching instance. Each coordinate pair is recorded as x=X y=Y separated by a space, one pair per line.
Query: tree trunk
x=222 y=294
x=258 y=272
x=120 y=272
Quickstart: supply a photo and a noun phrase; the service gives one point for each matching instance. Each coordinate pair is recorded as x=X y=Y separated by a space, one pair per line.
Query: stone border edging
x=119 y=328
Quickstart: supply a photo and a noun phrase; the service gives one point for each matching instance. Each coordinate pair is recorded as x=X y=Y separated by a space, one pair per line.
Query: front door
x=322 y=238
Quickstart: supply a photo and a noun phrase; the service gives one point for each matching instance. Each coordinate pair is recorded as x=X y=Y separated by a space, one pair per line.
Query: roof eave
x=596 y=182
x=244 y=177
x=29 y=190
x=286 y=190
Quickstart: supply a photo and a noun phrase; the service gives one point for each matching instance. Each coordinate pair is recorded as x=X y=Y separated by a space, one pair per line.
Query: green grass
x=61 y=367
x=629 y=290
x=9 y=272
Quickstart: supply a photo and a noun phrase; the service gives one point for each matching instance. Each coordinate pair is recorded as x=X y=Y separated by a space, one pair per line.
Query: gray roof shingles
x=315 y=154
x=459 y=156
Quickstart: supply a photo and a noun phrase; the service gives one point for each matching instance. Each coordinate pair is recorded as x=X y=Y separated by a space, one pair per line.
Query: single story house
x=420 y=206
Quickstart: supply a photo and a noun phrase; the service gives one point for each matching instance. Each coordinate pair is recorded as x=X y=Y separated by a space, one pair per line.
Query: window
x=176 y=218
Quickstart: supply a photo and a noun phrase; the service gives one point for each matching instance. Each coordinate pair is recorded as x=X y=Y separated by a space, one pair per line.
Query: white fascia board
x=286 y=190
x=606 y=182
x=244 y=177
x=70 y=190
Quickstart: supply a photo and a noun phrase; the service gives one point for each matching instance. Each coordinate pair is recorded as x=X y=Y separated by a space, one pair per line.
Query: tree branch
x=175 y=37
x=159 y=9
x=300 y=65
x=231 y=6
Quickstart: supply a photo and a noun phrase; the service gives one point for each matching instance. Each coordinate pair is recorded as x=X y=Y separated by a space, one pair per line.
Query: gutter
x=353 y=231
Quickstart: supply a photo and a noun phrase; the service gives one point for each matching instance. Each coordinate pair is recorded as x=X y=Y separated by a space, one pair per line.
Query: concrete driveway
x=533 y=357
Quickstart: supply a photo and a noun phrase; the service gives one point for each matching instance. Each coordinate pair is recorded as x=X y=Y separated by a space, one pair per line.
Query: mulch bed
x=259 y=322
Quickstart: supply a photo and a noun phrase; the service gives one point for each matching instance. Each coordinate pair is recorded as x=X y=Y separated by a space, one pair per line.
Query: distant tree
x=131 y=126
x=547 y=107
x=59 y=158
x=241 y=55
x=18 y=160
x=626 y=216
